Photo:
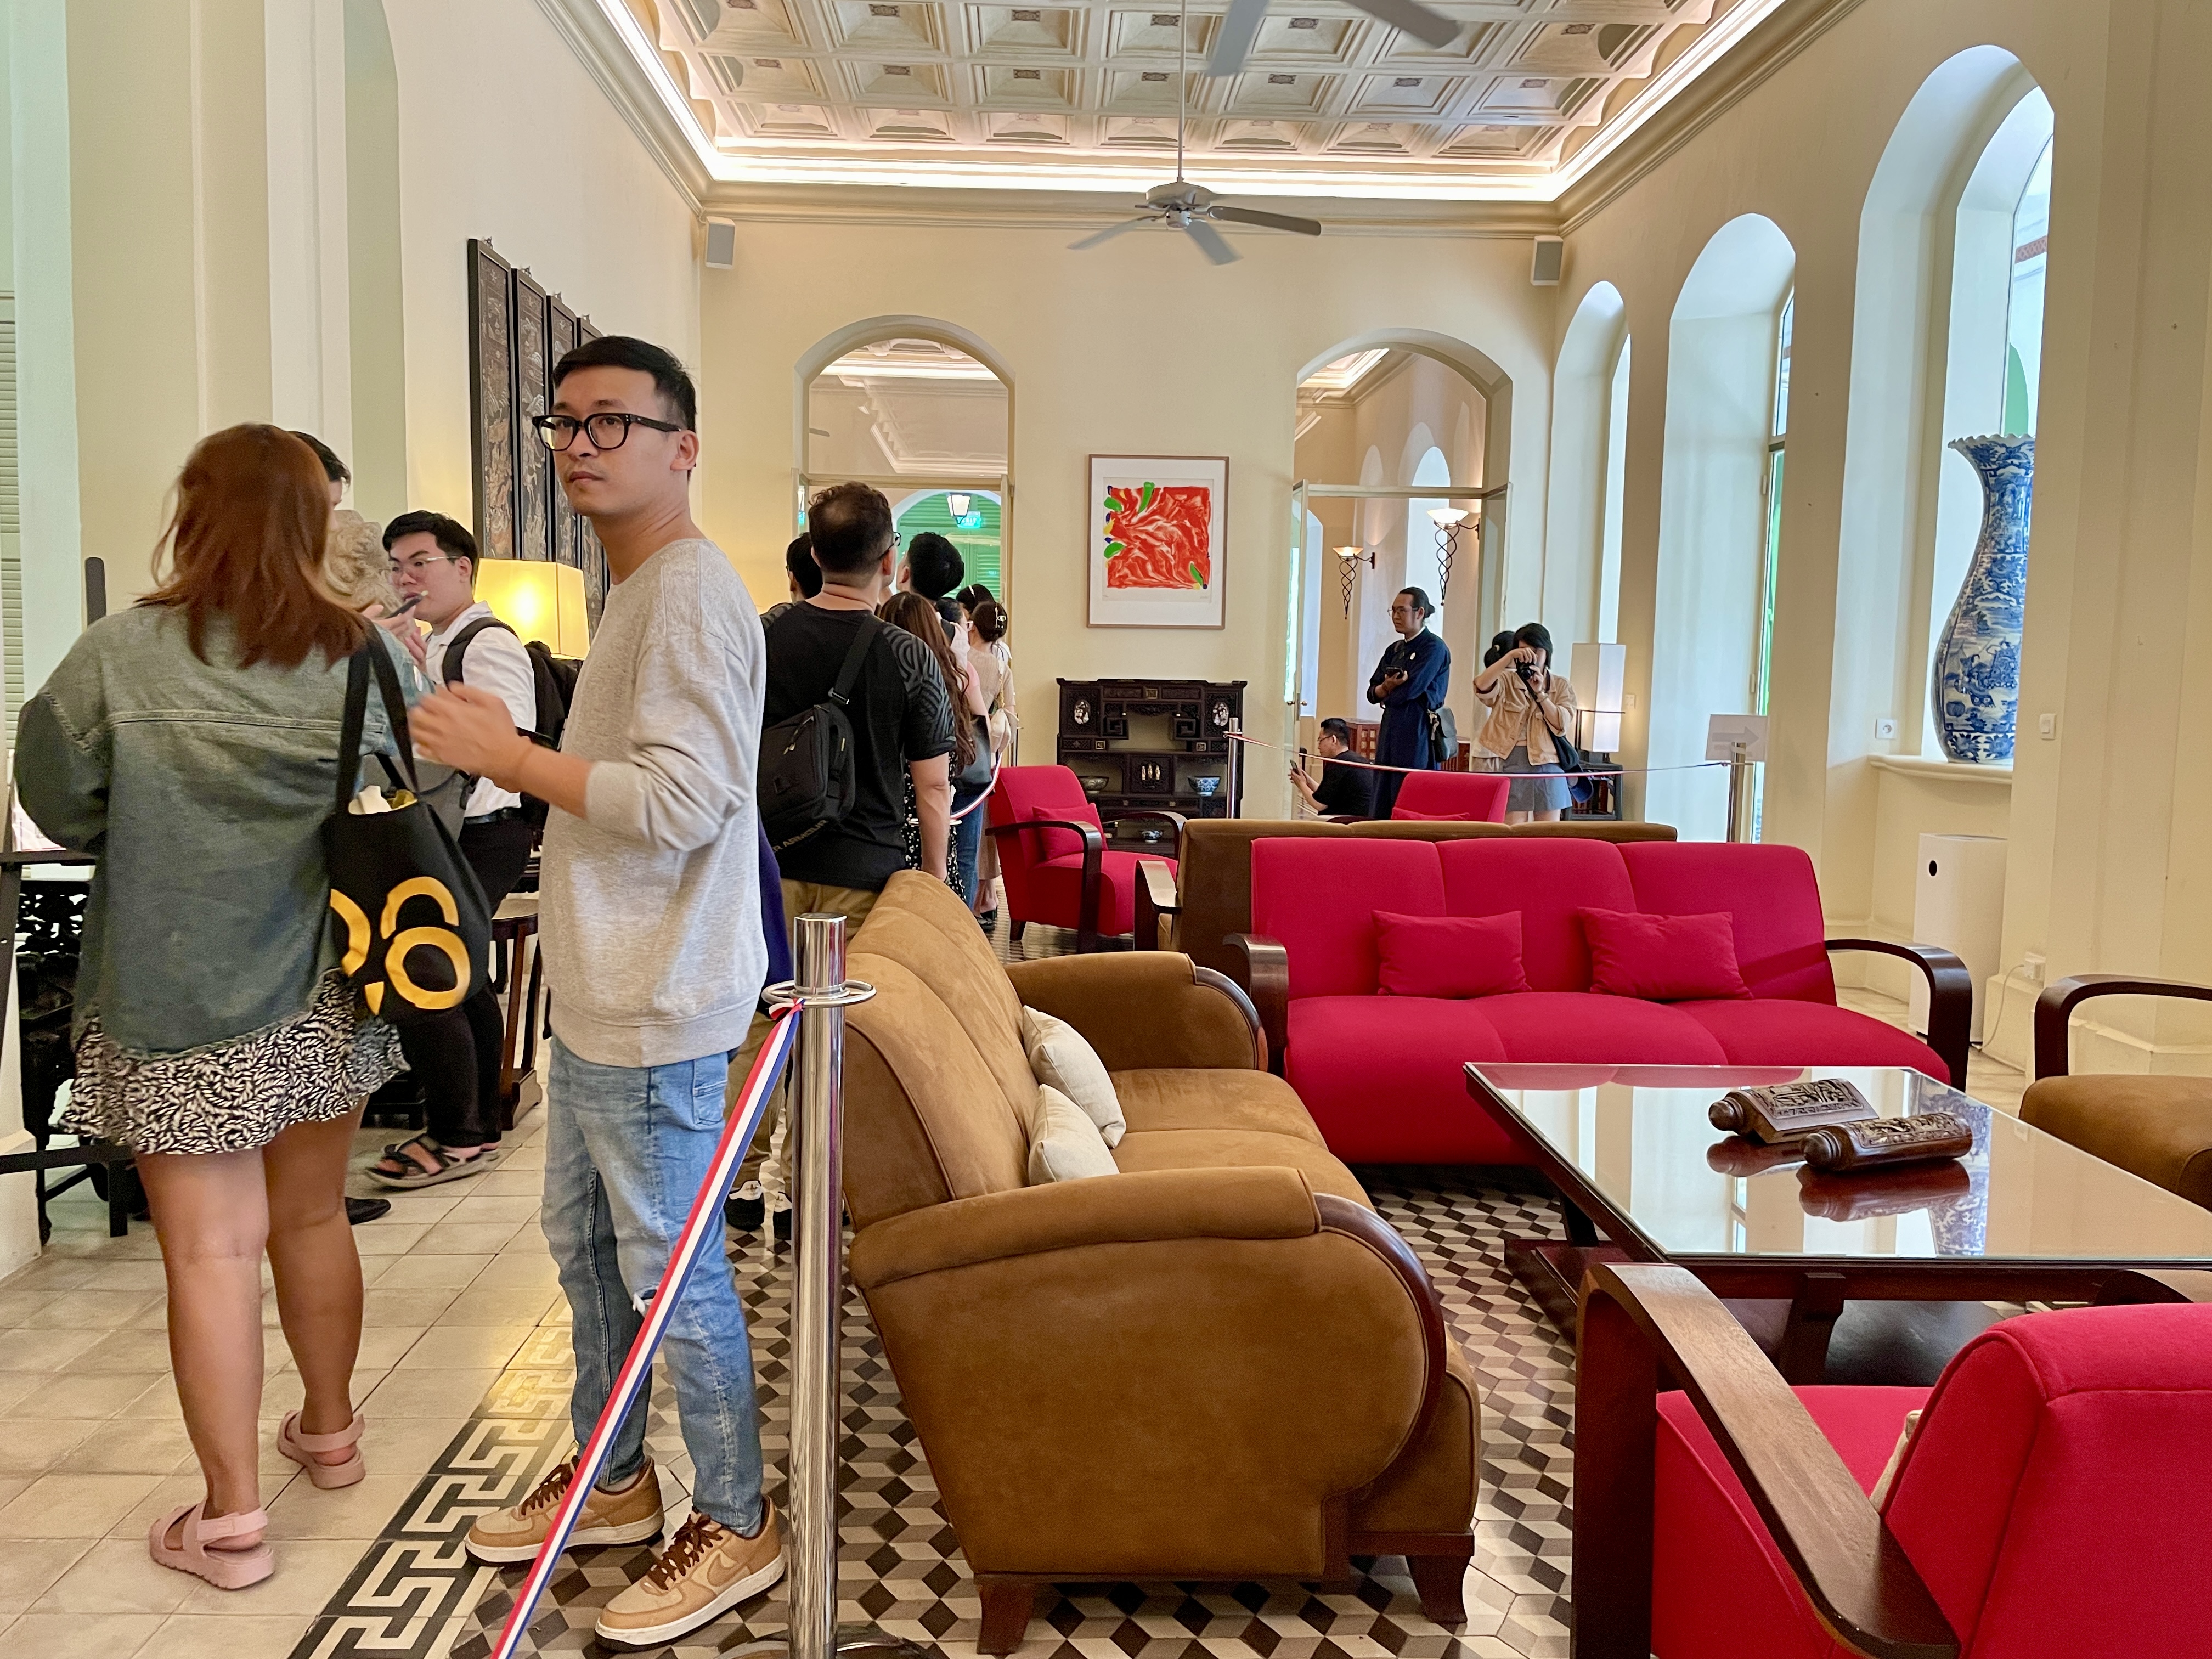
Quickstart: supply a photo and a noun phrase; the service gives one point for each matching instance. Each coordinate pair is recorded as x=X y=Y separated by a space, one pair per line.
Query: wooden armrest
x=1639 y=1318
x=1950 y=996
x=2143 y=1284
x=2054 y=1009
x=1263 y=969
x=1155 y=897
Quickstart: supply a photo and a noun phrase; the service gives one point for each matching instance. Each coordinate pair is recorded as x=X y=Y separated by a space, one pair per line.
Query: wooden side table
x=514 y=936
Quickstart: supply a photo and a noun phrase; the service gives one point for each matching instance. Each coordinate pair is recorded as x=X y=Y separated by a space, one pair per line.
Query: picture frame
x=491 y=396
x=1156 y=542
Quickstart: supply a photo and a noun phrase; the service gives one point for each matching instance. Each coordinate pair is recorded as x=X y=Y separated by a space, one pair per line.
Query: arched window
x=1424 y=563
x=1727 y=407
x=969 y=518
x=1589 y=441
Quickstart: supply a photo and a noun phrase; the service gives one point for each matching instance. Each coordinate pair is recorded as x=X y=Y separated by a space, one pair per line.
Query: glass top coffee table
x=1645 y=1177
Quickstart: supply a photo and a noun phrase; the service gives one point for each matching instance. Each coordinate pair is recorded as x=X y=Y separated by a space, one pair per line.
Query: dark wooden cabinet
x=1146 y=744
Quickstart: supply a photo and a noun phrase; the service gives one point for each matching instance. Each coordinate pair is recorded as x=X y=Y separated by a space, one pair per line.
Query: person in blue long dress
x=1407 y=683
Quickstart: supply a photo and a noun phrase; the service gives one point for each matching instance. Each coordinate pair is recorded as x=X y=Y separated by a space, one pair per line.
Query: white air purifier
x=1958 y=903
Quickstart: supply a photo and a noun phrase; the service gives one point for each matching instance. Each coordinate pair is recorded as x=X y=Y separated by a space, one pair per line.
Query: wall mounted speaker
x=722 y=244
x=1545 y=264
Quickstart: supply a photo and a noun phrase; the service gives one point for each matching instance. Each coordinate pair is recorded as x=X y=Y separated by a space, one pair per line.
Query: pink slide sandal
x=224 y=1569
x=302 y=1450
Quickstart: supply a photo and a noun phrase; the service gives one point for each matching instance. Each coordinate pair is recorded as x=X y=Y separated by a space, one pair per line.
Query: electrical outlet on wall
x=1885 y=728
x=2033 y=967
x=2047 y=725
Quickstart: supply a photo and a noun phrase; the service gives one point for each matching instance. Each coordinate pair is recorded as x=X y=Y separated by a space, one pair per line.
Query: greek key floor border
x=417 y=1594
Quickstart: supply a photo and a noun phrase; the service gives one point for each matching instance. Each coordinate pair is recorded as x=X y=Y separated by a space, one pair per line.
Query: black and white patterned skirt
x=235 y=1095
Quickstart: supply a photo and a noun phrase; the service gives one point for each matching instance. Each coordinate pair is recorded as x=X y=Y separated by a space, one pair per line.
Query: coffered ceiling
x=1081 y=96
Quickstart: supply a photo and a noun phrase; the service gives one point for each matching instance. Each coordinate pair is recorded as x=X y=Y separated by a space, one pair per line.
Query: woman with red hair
x=191 y=743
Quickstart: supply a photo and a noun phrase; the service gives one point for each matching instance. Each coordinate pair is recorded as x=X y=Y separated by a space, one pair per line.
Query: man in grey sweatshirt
x=650 y=923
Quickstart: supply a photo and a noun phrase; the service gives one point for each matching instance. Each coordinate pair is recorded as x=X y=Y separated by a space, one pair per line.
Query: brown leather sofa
x=1218 y=1364
x=2158 y=1128
x=1209 y=896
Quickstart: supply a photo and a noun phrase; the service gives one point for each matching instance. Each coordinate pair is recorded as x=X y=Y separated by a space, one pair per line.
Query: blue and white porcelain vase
x=1977 y=662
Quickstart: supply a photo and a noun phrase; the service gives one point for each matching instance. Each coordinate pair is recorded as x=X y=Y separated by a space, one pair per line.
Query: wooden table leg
x=1819 y=1304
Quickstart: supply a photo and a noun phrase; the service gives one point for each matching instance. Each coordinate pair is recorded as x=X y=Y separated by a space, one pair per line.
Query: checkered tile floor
x=417 y=1594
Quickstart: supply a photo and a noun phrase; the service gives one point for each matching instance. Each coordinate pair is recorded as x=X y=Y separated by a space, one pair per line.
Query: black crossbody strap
x=371 y=659
x=842 y=693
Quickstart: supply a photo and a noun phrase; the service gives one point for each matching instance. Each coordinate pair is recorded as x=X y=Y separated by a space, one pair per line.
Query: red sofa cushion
x=1662 y=958
x=1382 y=1076
x=1720 y=1589
x=1448 y=956
x=1782 y=1032
x=1573 y=1028
x=1062 y=843
x=1318 y=896
x=2054 y=1498
x=1547 y=881
x=1779 y=940
x=1477 y=795
x=1056 y=886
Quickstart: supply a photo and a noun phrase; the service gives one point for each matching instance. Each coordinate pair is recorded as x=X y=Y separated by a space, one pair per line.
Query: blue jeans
x=626 y=1151
x=967 y=843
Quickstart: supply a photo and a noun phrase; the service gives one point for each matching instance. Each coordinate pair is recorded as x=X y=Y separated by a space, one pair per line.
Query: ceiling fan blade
x=1237 y=215
x=1216 y=246
x=1109 y=233
x=1418 y=20
x=1240 y=28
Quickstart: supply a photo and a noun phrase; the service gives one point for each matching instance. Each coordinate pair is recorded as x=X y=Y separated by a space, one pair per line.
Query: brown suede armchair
x=2158 y=1128
x=1218 y=1364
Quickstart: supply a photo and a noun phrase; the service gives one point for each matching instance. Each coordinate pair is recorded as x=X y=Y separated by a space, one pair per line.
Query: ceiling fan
x=1190 y=207
x=1241 y=28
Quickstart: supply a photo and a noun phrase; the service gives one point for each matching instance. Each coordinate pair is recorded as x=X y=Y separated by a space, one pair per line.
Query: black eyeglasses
x=608 y=429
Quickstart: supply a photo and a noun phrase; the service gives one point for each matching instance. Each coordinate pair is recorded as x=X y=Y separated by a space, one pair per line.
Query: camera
x=1527 y=671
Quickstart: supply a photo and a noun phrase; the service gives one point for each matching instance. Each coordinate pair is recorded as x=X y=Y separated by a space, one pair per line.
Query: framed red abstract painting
x=1159 y=540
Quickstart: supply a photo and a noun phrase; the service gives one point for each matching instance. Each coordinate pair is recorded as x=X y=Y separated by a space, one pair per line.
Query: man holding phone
x=455 y=1055
x=1344 y=791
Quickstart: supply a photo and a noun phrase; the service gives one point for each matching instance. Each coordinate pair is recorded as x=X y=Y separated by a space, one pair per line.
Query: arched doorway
x=1421 y=422
x=923 y=410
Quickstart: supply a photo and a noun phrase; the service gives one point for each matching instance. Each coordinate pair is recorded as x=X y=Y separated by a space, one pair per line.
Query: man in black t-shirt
x=1344 y=791
x=902 y=720
x=901 y=713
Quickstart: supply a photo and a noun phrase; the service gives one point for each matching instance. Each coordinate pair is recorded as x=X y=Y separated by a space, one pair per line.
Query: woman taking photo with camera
x=1528 y=706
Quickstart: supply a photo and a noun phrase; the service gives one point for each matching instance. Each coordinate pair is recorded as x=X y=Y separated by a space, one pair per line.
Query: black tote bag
x=407 y=909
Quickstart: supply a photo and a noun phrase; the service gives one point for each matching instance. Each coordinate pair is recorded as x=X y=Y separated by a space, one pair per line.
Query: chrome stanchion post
x=1739 y=804
x=1235 y=767
x=818 y=1373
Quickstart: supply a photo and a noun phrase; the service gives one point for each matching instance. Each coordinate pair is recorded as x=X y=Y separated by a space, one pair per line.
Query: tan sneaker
x=705 y=1571
x=610 y=1517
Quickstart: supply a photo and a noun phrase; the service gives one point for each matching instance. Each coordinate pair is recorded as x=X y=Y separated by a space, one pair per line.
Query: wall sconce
x=1449 y=521
x=540 y=600
x=955 y=502
x=1600 y=674
x=1347 y=572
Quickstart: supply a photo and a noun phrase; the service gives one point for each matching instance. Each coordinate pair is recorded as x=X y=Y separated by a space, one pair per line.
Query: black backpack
x=553 y=679
x=807 y=783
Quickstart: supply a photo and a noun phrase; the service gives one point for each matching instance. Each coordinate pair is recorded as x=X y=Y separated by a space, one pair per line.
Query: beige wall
x=1137 y=348
x=2103 y=819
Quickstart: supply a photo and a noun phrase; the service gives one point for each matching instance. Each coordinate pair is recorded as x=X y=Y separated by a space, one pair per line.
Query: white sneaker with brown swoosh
x=705 y=1570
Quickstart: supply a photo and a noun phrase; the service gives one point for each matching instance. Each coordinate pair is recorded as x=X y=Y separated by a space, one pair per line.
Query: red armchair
x=1053 y=857
x=1479 y=796
x=2050 y=1506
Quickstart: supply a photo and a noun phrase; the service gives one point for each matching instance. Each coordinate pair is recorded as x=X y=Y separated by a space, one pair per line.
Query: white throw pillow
x=1064 y=1143
x=1061 y=1058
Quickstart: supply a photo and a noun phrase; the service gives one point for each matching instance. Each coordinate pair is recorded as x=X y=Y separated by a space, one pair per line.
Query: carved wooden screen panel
x=491 y=396
x=533 y=469
x=560 y=341
x=591 y=557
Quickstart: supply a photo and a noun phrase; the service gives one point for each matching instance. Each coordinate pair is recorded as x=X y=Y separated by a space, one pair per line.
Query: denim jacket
x=202 y=788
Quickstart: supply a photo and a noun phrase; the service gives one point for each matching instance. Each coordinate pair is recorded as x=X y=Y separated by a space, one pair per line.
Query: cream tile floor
x=93 y=1445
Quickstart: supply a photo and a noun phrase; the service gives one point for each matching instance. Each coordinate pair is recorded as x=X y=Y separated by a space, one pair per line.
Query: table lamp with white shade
x=539 y=599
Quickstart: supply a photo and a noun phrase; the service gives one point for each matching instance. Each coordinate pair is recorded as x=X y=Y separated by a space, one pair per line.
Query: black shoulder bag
x=806 y=782
x=409 y=913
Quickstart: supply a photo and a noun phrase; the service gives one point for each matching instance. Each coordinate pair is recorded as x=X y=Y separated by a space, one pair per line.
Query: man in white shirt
x=455 y=1055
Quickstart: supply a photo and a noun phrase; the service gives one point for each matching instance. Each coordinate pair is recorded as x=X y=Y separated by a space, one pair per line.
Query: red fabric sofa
x=1478 y=796
x=2049 y=1505
x=1060 y=872
x=1382 y=1074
